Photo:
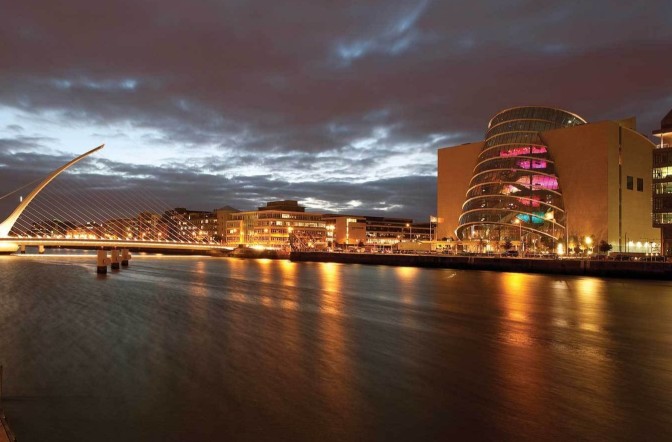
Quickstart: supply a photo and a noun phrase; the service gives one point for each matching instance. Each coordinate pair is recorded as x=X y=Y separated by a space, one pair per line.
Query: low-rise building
x=192 y=225
x=121 y=228
x=273 y=225
x=357 y=230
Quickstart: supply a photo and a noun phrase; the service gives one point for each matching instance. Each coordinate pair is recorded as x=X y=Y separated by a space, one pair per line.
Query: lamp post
x=589 y=242
x=520 y=231
x=410 y=231
x=550 y=216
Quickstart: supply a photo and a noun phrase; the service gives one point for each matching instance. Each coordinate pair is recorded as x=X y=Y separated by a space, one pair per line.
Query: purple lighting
x=531 y=164
x=522 y=150
x=539 y=182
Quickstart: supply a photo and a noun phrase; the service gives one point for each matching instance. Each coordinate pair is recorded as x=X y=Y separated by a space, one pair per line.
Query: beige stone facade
x=604 y=172
x=455 y=168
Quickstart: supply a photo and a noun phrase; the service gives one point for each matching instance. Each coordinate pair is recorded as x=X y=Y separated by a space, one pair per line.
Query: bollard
x=115 y=260
x=125 y=257
x=103 y=262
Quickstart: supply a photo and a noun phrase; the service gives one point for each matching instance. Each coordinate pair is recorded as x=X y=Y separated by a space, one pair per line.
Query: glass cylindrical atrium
x=514 y=194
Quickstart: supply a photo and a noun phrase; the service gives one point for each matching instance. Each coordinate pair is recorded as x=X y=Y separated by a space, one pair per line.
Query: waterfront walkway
x=5 y=433
x=587 y=267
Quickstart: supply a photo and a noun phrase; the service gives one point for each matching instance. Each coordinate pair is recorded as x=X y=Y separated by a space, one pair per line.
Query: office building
x=354 y=230
x=662 y=183
x=274 y=225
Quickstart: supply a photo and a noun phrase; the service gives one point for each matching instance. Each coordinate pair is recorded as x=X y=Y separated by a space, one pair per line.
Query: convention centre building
x=548 y=180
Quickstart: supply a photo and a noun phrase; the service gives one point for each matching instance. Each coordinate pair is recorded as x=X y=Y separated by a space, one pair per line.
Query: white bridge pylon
x=173 y=235
x=7 y=224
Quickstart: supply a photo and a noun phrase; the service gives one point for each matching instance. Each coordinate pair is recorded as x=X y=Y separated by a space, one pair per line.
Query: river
x=214 y=349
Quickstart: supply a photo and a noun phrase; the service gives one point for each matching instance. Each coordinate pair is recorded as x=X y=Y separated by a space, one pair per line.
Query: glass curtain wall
x=514 y=194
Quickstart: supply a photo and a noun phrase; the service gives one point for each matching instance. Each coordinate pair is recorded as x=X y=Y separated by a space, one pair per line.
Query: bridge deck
x=97 y=243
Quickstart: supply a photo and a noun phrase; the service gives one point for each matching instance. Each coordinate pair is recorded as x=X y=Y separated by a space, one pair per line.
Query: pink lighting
x=531 y=164
x=539 y=182
x=522 y=150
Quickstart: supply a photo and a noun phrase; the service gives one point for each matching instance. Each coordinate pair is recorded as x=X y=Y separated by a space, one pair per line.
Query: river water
x=214 y=349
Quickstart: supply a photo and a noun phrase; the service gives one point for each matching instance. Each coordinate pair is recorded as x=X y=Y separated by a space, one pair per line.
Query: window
x=630 y=183
x=640 y=184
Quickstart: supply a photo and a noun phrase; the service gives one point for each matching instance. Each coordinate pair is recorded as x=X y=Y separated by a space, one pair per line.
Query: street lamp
x=520 y=231
x=410 y=231
x=589 y=242
x=550 y=216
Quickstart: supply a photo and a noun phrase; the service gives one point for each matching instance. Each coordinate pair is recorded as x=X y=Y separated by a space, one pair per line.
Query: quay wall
x=619 y=269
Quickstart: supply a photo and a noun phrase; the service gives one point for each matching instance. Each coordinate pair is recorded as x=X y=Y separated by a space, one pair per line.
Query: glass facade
x=662 y=183
x=514 y=193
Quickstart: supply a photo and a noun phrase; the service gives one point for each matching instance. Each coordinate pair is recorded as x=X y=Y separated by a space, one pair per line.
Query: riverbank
x=608 y=268
x=6 y=434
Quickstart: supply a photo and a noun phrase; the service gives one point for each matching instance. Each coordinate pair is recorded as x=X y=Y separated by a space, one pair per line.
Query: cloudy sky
x=339 y=104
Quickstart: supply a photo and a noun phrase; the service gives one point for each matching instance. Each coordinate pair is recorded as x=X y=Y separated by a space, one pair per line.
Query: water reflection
x=407 y=281
x=543 y=364
x=221 y=349
x=590 y=303
x=336 y=376
x=331 y=278
x=521 y=370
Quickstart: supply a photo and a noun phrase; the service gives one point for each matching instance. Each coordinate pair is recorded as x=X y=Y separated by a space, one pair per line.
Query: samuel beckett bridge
x=66 y=212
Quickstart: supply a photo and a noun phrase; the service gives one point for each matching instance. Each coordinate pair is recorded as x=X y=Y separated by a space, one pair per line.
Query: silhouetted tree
x=604 y=246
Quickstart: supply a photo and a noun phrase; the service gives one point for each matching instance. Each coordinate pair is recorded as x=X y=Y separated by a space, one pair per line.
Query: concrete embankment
x=619 y=269
x=6 y=434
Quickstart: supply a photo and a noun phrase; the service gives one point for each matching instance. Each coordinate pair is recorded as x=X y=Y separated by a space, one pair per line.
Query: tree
x=508 y=245
x=577 y=250
x=604 y=246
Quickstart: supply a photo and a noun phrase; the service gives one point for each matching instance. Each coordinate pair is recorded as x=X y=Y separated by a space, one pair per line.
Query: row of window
x=630 y=183
x=275 y=215
x=662 y=157
x=537 y=113
x=522 y=126
x=662 y=172
x=524 y=163
x=662 y=188
x=662 y=204
x=662 y=218
x=512 y=150
x=281 y=223
x=513 y=138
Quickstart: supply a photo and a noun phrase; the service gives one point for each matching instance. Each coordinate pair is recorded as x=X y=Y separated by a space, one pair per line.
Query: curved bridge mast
x=6 y=225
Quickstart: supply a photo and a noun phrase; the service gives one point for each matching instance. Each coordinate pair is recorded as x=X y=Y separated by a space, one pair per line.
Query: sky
x=341 y=105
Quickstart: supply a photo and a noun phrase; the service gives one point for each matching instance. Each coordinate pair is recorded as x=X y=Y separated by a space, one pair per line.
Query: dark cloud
x=175 y=186
x=324 y=101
